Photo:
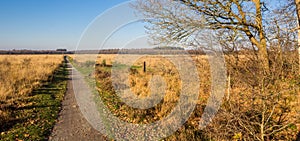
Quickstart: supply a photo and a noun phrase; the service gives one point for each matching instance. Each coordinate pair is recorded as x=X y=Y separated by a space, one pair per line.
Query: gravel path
x=71 y=125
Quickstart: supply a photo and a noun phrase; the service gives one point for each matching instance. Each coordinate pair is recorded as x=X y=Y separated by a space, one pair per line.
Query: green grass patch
x=85 y=68
x=117 y=65
x=34 y=116
x=135 y=67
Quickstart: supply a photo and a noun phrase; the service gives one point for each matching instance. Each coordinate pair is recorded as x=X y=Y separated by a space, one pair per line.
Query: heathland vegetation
x=21 y=74
x=260 y=43
x=31 y=90
x=249 y=110
x=263 y=65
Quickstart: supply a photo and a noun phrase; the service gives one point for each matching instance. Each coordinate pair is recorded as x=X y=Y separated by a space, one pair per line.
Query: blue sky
x=47 y=24
x=52 y=24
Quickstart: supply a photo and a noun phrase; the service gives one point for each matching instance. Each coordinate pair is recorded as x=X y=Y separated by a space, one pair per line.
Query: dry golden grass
x=140 y=85
x=156 y=66
x=20 y=74
x=240 y=99
x=32 y=88
x=109 y=58
x=83 y=57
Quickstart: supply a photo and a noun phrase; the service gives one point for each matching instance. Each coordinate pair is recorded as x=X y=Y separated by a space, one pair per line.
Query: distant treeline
x=35 y=52
x=169 y=48
x=154 y=51
x=107 y=51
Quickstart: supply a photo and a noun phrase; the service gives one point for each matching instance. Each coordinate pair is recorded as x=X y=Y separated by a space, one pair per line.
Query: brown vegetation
x=250 y=110
x=20 y=75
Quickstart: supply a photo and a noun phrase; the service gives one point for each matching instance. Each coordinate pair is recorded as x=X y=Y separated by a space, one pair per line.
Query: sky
x=50 y=24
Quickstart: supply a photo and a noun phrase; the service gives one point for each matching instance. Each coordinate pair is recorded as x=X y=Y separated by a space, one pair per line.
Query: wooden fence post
x=144 y=66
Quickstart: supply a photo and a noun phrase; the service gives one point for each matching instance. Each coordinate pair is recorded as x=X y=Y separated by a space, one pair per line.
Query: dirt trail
x=71 y=125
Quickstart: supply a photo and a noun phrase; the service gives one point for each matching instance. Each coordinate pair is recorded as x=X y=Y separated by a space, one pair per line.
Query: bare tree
x=242 y=16
x=263 y=106
x=297 y=3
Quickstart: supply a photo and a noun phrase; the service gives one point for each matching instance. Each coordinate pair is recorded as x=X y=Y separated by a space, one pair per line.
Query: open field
x=246 y=112
x=31 y=90
x=30 y=98
x=21 y=74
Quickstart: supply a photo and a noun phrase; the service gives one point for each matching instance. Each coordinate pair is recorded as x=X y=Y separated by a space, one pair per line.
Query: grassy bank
x=33 y=116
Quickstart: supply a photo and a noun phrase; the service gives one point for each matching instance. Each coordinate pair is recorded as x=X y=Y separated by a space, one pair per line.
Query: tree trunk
x=297 y=2
x=262 y=45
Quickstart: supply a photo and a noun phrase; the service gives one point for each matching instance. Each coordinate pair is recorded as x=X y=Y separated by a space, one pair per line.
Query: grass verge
x=34 y=116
